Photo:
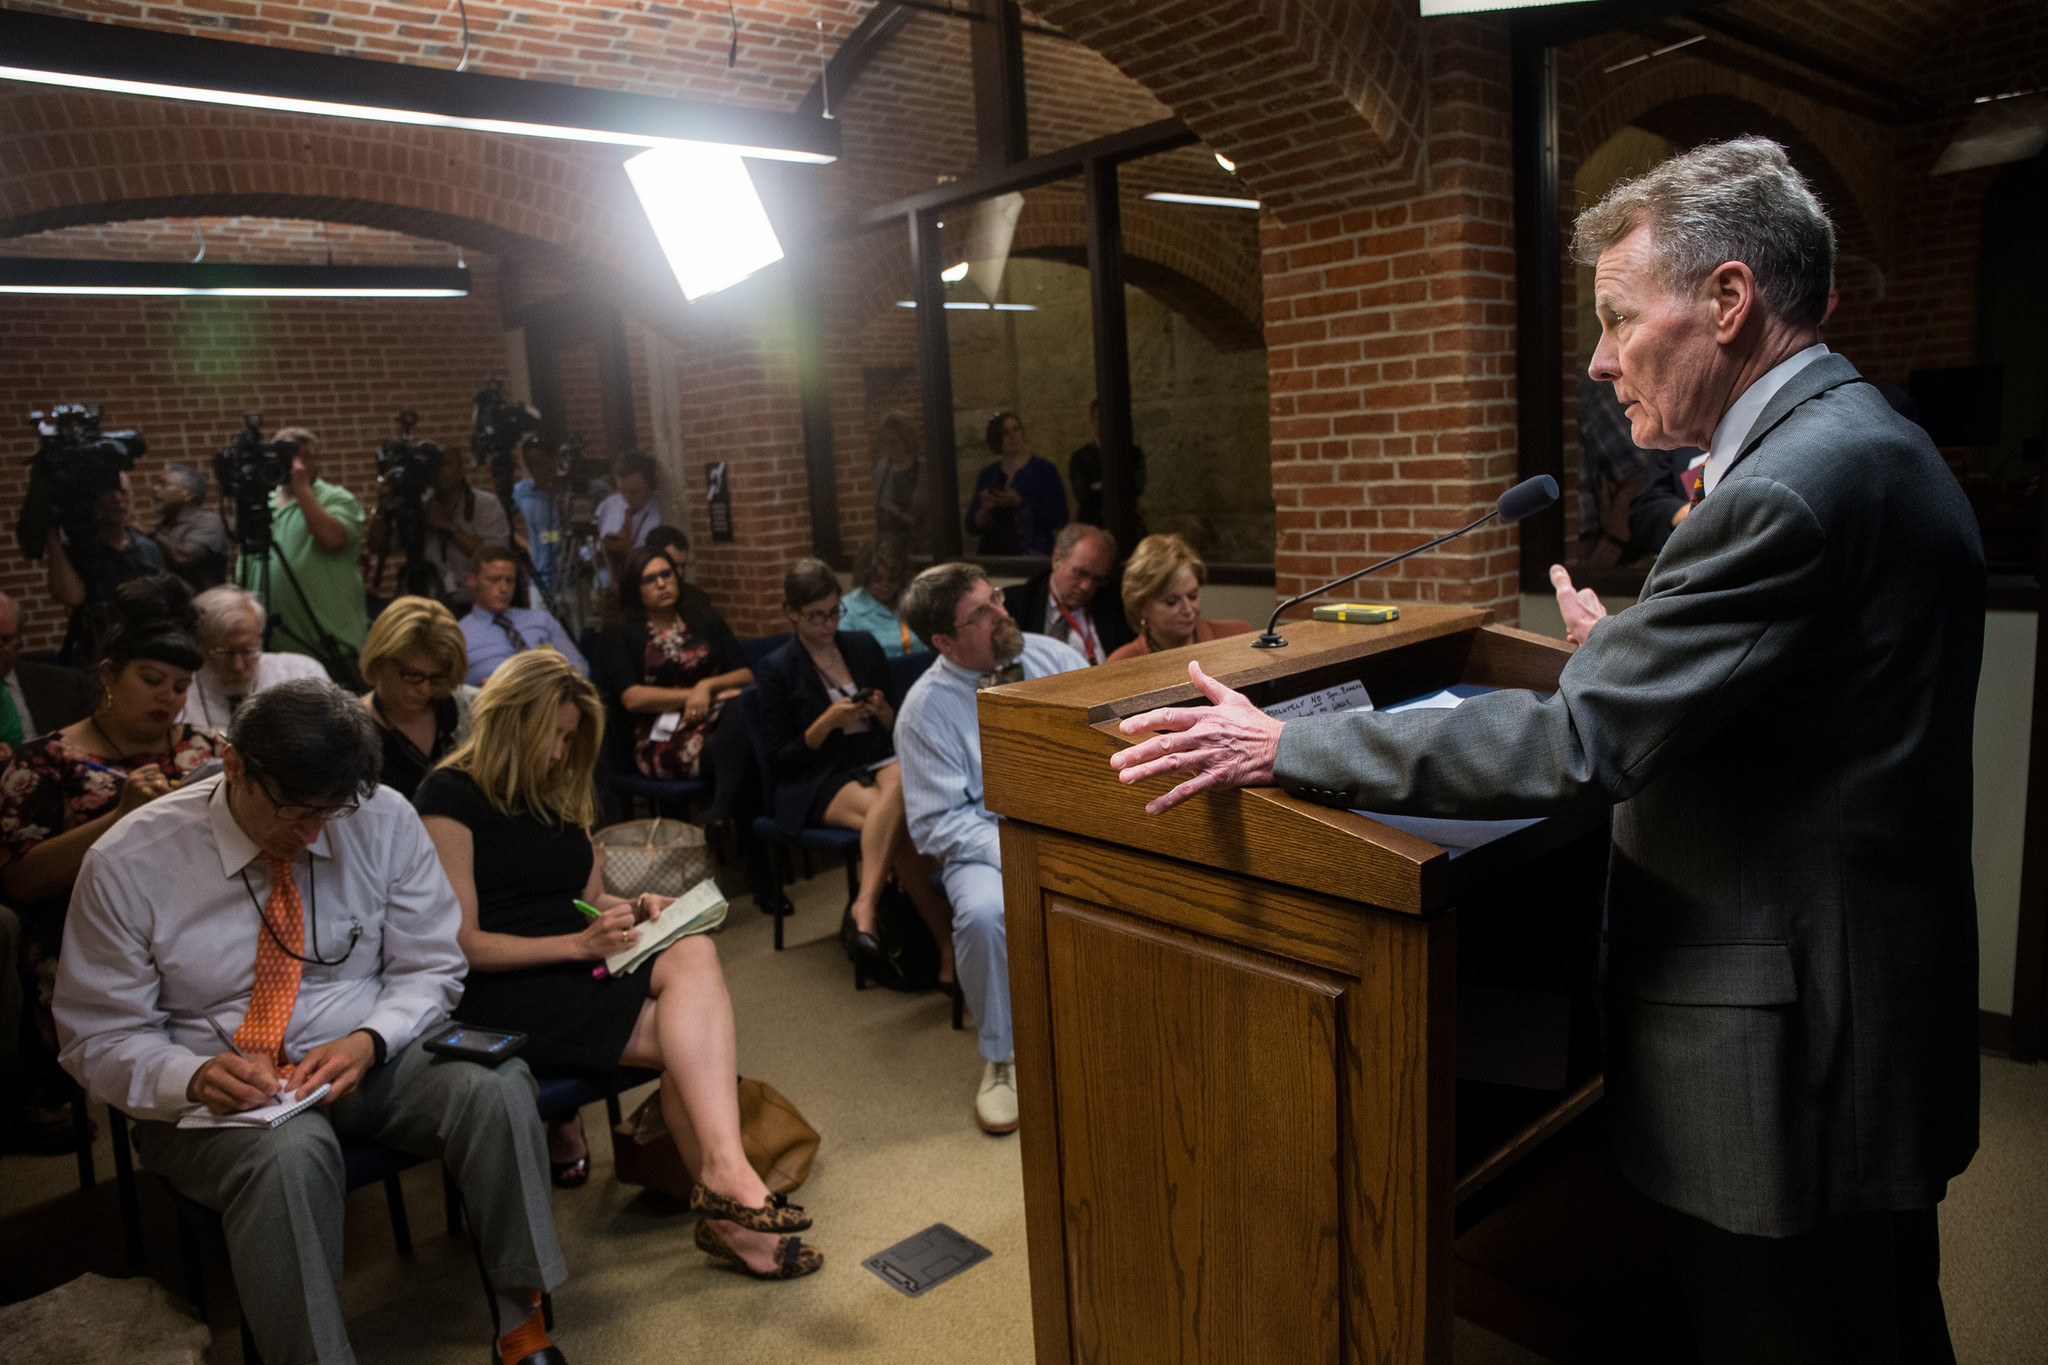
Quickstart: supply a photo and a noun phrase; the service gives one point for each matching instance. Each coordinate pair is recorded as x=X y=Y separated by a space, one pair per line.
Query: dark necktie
x=234 y=705
x=499 y=619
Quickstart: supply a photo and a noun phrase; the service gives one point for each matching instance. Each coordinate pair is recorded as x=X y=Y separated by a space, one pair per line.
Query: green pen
x=589 y=909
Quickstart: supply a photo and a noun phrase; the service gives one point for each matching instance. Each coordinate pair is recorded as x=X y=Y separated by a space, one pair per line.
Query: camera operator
x=460 y=520
x=315 y=528
x=83 y=576
x=194 y=541
x=536 y=521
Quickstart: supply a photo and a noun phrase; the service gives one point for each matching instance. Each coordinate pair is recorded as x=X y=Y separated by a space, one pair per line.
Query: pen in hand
x=222 y=1034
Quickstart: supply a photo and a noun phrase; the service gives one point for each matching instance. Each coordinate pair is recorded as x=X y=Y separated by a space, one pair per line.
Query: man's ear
x=1732 y=295
x=231 y=763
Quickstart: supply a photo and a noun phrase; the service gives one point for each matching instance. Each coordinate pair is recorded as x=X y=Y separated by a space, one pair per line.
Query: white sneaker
x=995 y=1108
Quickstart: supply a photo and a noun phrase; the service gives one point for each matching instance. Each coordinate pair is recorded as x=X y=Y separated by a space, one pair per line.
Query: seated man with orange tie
x=199 y=978
x=495 y=630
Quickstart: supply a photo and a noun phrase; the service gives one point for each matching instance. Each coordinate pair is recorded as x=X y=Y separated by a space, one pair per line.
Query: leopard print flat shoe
x=777 y=1215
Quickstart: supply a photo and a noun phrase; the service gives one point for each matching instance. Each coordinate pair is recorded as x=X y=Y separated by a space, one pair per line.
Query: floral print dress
x=673 y=658
x=52 y=786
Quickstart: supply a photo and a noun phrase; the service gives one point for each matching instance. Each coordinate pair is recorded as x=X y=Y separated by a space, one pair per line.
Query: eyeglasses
x=240 y=652
x=293 y=813
x=819 y=618
x=986 y=612
x=1085 y=576
x=658 y=577
x=412 y=677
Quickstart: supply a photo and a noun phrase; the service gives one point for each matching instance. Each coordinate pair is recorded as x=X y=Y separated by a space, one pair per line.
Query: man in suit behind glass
x=1782 y=724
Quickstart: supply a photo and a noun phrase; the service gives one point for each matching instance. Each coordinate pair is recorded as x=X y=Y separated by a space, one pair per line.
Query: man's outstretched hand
x=1229 y=744
x=1580 y=607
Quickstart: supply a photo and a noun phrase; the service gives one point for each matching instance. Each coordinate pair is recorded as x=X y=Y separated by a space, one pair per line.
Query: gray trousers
x=981 y=952
x=279 y=1190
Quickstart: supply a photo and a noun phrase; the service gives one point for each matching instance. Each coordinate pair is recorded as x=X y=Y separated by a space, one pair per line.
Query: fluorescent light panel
x=965 y=306
x=706 y=214
x=1212 y=201
x=225 y=279
x=117 y=59
x=1431 y=8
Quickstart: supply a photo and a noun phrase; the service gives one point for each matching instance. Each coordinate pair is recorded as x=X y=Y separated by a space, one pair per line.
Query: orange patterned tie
x=277 y=971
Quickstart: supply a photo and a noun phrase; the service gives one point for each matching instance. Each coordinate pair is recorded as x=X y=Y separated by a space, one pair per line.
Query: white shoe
x=995 y=1108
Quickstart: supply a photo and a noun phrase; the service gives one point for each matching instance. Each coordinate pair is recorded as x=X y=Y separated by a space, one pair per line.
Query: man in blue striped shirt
x=938 y=739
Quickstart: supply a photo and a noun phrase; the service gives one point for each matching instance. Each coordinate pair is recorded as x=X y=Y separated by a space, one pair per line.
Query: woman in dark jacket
x=825 y=717
x=671 y=662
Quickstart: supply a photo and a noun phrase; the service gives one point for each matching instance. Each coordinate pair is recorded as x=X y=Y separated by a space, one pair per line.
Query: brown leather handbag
x=779 y=1144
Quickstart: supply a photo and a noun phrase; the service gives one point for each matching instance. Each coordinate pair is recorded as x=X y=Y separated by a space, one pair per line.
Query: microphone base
x=1269 y=639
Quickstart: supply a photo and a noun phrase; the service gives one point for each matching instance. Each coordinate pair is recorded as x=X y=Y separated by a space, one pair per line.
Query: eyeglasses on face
x=412 y=677
x=225 y=653
x=820 y=615
x=986 y=612
x=293 y=812
x=657 y=578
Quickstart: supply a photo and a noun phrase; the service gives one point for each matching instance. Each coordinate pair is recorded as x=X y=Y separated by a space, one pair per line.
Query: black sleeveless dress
x=528 y=874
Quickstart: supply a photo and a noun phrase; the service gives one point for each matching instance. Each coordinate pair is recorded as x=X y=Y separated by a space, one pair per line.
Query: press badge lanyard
x=1083 y=635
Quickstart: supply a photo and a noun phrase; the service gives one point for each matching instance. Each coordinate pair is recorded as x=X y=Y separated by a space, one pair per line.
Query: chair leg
x=809 y=872
x=81 y=1128
x=959 y=1008
x=547 y=1310
x=191 y=1237
x=401 y=1228
x=124 y=1187
x=611 y=1109
x=451 y=1203
x=250 y=1355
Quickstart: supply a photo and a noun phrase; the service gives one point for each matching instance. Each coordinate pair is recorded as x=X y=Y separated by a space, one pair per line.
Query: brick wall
x=183 y=370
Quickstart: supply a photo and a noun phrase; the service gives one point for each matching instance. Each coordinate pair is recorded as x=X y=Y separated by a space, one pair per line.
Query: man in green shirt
x=315 y=528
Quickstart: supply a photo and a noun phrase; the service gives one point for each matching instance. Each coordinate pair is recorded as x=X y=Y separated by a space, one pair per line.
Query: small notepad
x=264 y=1116
x=700 y=908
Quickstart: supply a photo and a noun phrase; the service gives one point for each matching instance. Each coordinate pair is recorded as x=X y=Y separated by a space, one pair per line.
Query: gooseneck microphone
x=1524 y=500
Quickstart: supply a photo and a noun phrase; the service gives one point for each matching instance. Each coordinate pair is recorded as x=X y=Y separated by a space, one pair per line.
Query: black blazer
x=56 y=695
x=1783 y=726
x=791 y=696
x=1028 y=602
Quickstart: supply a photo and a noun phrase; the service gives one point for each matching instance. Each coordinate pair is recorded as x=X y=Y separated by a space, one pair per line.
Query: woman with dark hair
x=826 y=719
x=1019 y=503
x=63 y=790
x=510 y=814
x=671 y=662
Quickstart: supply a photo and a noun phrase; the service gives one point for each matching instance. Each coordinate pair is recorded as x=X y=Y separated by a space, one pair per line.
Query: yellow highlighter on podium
x=1357 y=613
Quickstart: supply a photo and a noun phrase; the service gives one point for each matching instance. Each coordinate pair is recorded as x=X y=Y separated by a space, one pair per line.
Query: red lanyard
x=1084 y=637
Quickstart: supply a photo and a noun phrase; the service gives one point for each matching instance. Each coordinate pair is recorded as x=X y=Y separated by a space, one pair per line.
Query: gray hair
x=1074 y=532
x=218 y=605
x=194 y=481
x=932 y=600
x=1725 y=201
x=315 y=742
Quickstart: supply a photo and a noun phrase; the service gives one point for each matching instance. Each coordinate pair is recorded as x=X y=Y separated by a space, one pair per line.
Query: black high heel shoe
x=862 y=948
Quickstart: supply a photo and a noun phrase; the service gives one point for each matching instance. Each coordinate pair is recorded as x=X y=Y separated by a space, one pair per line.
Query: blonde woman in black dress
x=509 y=813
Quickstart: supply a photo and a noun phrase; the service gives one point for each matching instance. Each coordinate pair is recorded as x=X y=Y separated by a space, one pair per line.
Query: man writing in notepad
x=283 y=926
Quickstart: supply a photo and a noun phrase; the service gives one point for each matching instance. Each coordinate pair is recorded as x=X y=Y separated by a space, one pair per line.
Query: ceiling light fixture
x=1225 y=162
x=1432 y=8
x=707 y=215
x=221 y=279
x=1212 y=201
x=955 y=274
x=968 y=307
x=118 y=60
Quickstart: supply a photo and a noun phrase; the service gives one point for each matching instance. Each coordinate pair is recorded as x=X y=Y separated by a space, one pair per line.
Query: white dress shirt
x=1732 y=432
x=614 y=518
x=162 y=932
x=938 y=739
x=1087 y=641
x=208 y=704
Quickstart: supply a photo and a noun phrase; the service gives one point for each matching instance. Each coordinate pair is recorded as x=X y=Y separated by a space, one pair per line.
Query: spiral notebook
x=264 y=1116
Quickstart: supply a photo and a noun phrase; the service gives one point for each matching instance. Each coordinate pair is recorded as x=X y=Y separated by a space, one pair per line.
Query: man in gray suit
x=1782 y=725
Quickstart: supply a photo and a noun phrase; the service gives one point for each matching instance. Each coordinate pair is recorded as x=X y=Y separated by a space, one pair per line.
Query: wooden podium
x=1244 y=1135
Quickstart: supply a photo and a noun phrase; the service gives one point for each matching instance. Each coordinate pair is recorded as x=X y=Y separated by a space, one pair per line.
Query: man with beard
x=938 y=740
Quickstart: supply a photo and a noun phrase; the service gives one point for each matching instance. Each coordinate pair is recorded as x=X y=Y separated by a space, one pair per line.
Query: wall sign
x=718 y=499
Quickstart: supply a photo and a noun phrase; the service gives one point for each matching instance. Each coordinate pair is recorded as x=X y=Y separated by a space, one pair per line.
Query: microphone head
x=1526 y=498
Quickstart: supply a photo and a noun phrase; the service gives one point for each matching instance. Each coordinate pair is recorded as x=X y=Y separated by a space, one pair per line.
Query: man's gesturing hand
x=1229 y=744
x=1580 y=607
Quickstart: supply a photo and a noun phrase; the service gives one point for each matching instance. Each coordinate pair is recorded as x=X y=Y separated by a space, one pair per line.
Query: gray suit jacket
x=1783 y=726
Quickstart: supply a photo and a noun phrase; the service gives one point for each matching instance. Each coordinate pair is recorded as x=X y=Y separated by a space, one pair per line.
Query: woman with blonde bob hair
x=1163 y=599
x=414 y=661
x=509 y=813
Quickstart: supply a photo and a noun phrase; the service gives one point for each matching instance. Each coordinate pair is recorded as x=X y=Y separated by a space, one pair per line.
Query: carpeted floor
x=890 y=1086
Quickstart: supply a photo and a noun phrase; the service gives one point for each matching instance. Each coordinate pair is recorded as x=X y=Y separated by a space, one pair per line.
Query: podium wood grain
x=1235 y=1023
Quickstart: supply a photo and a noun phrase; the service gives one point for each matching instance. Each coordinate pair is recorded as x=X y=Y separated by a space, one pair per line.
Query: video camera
x=498 y=428
x=74 y=464
x=248 y=471
x=409 y=468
